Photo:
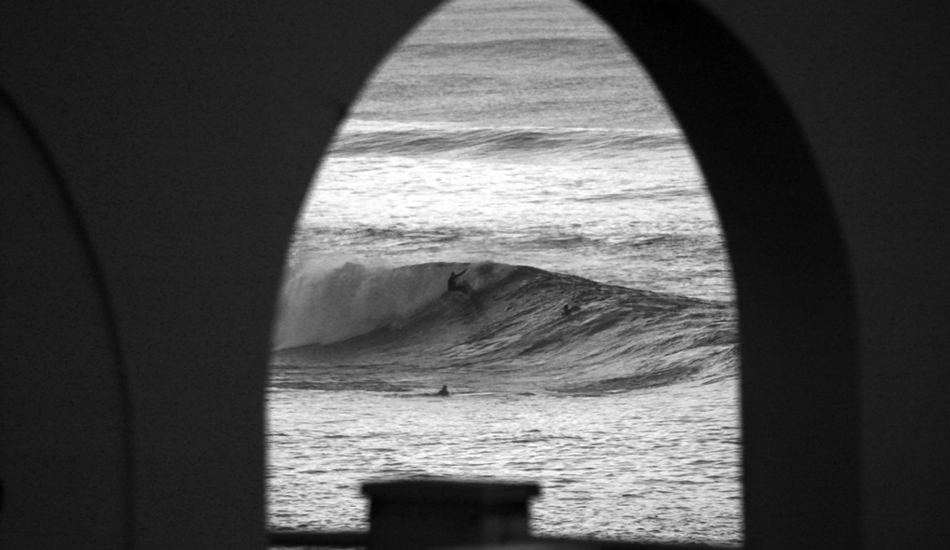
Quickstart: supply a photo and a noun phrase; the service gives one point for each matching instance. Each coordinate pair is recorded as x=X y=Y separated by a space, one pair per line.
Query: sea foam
x=326 y=300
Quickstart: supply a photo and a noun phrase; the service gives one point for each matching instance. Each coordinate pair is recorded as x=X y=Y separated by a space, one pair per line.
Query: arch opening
x=765 y=222
x=490 y=140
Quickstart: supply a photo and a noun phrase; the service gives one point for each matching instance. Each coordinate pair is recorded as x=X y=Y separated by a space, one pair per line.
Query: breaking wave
x=353 y=326
x=364 y=138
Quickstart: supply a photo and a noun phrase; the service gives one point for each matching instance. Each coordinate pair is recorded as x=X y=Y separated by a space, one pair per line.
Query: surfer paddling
x=455 y=286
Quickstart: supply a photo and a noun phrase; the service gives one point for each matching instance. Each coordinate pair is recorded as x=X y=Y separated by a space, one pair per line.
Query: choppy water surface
x=657 y=464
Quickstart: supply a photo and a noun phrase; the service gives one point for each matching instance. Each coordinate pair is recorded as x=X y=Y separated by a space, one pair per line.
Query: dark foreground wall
x=866 y=83
x=153 y=159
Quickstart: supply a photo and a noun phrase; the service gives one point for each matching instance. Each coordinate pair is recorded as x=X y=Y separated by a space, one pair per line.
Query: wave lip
x=322 y=304
x=399 y=328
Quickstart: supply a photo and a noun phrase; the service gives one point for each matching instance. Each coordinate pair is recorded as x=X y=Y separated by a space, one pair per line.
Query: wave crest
x=407 y=139
x=322 y=302
x=399 y=329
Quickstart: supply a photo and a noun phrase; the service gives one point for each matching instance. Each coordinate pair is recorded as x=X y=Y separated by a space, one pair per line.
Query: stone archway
x=174 y=129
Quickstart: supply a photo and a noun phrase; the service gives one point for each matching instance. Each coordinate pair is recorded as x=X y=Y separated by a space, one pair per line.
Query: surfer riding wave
x=455 y=286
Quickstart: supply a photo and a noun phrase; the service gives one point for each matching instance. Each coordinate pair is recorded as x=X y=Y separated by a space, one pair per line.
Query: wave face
x=429 y=139
x=400 y=330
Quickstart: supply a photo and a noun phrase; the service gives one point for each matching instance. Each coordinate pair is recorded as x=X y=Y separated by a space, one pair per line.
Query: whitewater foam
x=325 y=299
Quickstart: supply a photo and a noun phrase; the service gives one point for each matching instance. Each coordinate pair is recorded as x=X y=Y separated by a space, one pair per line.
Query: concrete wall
x=867 y=83
x=154 y=158
x=185 y=136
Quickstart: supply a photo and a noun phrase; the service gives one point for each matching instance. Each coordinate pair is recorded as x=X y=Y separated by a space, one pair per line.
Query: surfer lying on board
x=454 y=286
x=444 y=392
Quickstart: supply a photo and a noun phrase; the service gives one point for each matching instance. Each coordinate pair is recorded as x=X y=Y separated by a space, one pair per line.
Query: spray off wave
x=323 y=304
x=521 y=329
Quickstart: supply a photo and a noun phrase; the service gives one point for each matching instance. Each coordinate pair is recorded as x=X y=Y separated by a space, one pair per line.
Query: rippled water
x=658 y=464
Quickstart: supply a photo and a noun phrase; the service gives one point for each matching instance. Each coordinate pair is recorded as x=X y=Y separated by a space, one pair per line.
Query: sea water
x=519 y=142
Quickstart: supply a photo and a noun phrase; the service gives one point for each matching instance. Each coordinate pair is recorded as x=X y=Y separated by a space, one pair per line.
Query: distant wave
x=533 y=49
x=412 y=238
x=433 y=139
x=355 y=327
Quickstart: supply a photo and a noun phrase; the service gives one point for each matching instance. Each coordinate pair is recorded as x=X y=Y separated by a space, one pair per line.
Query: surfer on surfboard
x=455 y=286
x=444 y=392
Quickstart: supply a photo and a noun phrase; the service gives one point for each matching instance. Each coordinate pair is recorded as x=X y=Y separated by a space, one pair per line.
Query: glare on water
x=648 y=464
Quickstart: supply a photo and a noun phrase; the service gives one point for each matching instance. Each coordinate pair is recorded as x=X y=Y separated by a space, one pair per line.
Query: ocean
x=595 y=350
